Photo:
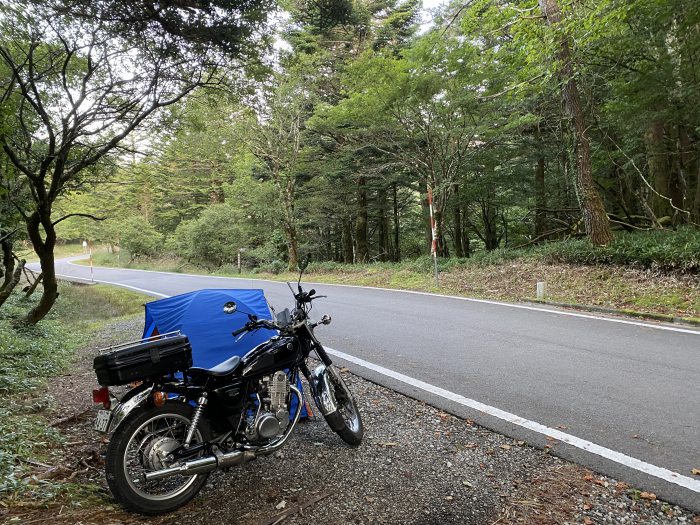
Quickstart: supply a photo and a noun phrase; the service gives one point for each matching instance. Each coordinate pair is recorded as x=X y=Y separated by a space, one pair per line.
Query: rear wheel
x=346 y=420
x=141 y=444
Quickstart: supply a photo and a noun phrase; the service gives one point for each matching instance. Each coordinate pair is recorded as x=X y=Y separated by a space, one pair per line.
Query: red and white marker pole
x=433 y=230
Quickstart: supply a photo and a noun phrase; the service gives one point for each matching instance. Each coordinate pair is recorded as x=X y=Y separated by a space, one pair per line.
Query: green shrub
x=140 y=238
x=657 y=250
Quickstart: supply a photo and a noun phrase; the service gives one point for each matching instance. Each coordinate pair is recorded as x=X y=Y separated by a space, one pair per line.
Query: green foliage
x=656 y=250
x=212 y=239
x=31 y=355
x=140 y=238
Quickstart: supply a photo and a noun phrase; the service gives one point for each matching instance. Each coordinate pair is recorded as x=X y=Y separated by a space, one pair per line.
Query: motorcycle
x=171 y=431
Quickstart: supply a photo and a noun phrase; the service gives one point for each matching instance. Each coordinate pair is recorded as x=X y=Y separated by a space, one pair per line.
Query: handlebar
x=254 y=325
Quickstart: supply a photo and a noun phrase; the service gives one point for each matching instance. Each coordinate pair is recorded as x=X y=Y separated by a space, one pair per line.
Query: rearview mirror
x=230 y=307
x=303 y=262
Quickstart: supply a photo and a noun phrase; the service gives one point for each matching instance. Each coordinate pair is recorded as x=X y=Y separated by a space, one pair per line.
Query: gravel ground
x=416 y=466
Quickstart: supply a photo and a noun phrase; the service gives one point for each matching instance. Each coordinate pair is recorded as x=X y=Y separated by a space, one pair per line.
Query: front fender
x=322 y=390
x=123 y=409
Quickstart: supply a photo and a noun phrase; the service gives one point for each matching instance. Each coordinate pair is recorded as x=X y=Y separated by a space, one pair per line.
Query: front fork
x=319 y=379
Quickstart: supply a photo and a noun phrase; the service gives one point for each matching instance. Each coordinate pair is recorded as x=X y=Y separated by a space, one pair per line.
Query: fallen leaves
x=695 y=471
x=505 y=447
x=282 y=504
x=587 y=521
x=648 y=496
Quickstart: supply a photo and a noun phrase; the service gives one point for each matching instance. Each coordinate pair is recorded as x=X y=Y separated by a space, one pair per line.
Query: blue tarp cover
x=200 y=316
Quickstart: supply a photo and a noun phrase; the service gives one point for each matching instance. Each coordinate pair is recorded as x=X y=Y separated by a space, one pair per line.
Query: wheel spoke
x=146 y=452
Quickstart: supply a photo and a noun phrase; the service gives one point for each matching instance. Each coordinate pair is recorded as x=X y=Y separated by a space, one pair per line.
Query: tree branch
x=87 y=215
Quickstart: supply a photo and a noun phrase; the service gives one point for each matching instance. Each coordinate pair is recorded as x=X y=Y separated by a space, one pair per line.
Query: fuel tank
x=270 y=356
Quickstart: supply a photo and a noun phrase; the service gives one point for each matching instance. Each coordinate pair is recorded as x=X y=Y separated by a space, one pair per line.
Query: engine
x=272 y=417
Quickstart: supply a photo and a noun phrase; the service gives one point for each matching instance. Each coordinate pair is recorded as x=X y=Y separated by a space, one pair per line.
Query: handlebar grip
x=238 y=332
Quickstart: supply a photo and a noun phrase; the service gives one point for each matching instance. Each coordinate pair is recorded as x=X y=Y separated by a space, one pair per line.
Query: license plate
x=102 y=420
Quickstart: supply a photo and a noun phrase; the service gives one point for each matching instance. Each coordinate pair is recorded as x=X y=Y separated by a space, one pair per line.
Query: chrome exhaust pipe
x=229 y=459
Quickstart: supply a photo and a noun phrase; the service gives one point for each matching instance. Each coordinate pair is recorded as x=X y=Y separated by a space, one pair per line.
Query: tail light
x=102 y=396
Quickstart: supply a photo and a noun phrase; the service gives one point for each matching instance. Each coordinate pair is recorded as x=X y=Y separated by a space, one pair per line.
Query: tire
x=145 y=424
x=346 y=420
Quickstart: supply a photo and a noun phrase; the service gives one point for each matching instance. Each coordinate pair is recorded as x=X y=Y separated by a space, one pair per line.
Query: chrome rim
x=147 y=451
x=345 y=401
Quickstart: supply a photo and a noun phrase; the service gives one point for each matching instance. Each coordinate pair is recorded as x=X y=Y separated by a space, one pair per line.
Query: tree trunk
x=594 y=216
x=290 y=229
x=677 y=180
x=657 y=160
x=697 y=195
x=44 y=250
x=10 y=284
x=442 y=250
x=397 y=239
x=347 y=241
x=540 y=199
x=457 y=226
x=384 y=250
x=426 y=220
x=362 y=251
x=8 y=262
x=32 y=288
x=488 y=219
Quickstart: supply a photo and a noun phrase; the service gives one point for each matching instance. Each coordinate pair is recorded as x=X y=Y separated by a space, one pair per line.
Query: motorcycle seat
x=222 y=369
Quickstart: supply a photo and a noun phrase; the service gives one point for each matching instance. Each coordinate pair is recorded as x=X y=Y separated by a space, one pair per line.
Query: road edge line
x=569 y=439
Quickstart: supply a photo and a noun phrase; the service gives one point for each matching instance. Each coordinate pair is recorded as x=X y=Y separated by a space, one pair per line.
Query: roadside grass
x=61 y=250
x=501 y=275
x=30 y=357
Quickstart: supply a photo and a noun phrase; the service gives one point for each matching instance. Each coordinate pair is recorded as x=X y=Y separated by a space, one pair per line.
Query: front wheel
x=143 y=443
x=346 y=420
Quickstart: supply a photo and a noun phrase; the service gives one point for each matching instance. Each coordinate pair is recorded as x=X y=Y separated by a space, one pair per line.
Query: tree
x=84 y=81
x=594 y=216
x=276 y=137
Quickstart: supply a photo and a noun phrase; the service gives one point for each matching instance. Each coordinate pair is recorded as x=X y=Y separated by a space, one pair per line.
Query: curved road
x=621 y=397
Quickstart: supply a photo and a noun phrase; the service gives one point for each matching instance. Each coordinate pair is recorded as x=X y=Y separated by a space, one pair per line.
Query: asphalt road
x=626 y=394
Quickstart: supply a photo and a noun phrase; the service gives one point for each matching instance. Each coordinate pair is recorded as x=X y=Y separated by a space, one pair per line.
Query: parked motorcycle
x=171 y=431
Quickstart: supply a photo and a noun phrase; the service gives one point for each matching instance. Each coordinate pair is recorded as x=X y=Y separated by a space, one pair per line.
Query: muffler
x=202 y=465
x=220 y=459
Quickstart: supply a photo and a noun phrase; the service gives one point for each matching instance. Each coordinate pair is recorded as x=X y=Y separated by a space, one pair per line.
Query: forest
x=336 y=129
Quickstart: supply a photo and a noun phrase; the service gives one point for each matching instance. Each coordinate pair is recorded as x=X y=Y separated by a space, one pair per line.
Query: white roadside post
x=92 y=271
x=541 y=289
x=240 y=250
x=433 y=230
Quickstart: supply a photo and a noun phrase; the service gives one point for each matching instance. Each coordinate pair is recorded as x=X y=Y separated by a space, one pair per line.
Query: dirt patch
x=416 y=466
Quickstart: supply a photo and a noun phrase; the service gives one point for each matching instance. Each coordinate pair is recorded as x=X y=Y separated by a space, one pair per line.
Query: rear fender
x=135 y=399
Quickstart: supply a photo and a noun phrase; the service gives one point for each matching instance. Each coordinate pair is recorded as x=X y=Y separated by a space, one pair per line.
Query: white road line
x=430 y=294
x=588 y=446
x=149 y=292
